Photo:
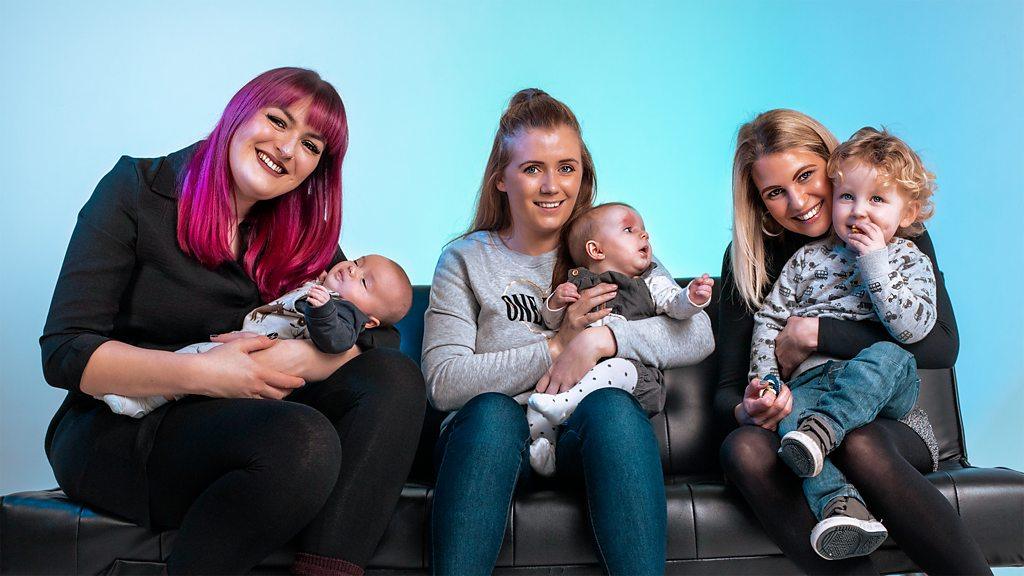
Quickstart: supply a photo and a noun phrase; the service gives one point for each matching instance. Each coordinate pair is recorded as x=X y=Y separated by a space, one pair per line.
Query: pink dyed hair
x=292 y=237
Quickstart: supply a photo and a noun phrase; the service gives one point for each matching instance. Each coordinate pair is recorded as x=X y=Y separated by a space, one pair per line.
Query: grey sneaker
x=847 y=530
x=805 y=448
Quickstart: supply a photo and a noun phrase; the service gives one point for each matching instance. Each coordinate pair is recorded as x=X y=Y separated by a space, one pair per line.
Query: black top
x=335 y=326
x=125 y=278
x=836 y=338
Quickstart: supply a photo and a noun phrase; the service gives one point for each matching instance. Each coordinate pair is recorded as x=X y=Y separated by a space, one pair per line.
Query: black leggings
x=240 y=478
x=885 y=461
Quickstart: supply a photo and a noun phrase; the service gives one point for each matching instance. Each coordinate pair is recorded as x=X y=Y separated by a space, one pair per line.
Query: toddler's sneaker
x=805 y=448
x=847 y=530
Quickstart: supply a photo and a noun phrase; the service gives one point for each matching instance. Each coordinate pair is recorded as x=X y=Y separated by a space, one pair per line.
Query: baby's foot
x=542 y=456
x=134 y=407
x=548 y=405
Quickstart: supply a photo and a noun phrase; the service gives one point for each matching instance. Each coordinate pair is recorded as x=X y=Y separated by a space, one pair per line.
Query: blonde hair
x=769 y=133
x=895 y=163
x=528 y=109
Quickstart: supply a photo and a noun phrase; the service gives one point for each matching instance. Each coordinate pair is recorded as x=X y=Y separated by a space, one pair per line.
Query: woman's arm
x=735 y=330
x=845 y=339
x=662 y=341
x=454 y=371
x=738 y=401
x=77 y=350
x=224 y=372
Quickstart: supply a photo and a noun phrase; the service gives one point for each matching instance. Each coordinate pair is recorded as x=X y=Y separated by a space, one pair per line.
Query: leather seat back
x=686 y=430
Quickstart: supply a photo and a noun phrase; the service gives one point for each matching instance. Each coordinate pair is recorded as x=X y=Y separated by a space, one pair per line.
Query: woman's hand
x=232 y=371
x=795 y=343
x=763 y=409
x=582 y=354
x=578 y=315
x=301 y=358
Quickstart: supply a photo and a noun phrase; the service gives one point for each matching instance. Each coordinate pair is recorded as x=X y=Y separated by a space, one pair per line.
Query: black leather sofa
x=711 y=530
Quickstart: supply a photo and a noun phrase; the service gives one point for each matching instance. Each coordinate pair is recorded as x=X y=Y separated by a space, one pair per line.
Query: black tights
x=240 y=478
x=885 y=461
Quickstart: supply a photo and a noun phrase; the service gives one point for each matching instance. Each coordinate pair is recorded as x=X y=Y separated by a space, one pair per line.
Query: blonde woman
x=782 y=199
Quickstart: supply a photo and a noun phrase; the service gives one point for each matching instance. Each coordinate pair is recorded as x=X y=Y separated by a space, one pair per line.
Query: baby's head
x=609 y=237
x=877 y=178
x=376 y=285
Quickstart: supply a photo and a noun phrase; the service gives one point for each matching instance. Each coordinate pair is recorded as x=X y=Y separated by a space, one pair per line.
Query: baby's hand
x=565 y=294
x=866 y=237
x=700 y=289
x=318 y=296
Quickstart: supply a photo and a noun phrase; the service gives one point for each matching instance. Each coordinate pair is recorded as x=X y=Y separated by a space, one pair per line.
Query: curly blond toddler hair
x=896 y=163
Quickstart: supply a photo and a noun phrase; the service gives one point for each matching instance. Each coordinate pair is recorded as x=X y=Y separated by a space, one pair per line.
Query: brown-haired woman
x=485 y=349
x=782 y=199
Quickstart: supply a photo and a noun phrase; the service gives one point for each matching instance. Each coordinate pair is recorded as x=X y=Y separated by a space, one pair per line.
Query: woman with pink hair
x=171 y=250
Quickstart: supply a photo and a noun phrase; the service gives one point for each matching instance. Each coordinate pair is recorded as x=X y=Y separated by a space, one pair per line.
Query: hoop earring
x=766 y=232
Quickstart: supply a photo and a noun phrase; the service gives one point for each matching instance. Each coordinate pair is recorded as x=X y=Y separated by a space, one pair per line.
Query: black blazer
x=125 y=278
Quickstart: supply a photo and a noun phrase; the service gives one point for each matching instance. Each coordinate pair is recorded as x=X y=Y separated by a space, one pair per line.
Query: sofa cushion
x=45 y=533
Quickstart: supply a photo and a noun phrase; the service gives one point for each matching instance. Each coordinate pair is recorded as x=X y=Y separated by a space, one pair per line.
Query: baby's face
x=371 y=283
x=624 y=240
x=862 y=196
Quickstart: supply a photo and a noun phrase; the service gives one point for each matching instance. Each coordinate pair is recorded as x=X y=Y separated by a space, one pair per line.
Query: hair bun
x=525 y=96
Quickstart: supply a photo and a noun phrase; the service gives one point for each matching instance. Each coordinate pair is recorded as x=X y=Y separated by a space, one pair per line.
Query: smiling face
x=272 y=153
x=620 y=243
x=375 y=284
x=861 y=196
x=541 y=181
x=796 y=190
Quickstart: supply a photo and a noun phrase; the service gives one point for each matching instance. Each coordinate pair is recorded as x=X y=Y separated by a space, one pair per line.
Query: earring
x=764 y=215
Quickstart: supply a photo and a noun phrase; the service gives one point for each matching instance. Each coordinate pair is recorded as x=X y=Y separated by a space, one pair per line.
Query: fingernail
x=214 y=335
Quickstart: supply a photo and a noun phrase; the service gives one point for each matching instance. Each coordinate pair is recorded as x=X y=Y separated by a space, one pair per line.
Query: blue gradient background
x=660 y=89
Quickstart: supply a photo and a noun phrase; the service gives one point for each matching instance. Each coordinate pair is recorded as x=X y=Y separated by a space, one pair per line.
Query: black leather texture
x=710 y=529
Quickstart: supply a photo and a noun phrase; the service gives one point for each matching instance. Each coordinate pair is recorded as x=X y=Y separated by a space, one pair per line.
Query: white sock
x=613 y=373
x=542 y=446
x=134 y=407
x=542 y=457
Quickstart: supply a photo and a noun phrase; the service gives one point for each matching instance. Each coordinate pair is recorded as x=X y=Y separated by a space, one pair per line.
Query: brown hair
x=572 y=246
x=769 y=133
x=528 y=109
x=895 y=163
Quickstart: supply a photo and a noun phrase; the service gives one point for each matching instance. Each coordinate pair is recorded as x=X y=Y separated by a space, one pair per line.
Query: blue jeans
x=607 y=443
x=881 y=381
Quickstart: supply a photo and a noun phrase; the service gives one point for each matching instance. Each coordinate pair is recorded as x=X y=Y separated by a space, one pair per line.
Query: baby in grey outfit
x=332 y=311
x=610 y=245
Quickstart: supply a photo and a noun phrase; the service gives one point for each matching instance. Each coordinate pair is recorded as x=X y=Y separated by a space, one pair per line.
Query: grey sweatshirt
x=483 y=331
x=895 y=286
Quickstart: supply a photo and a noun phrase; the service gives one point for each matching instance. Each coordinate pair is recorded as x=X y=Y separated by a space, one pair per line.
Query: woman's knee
x=392 y=378
x=493 y=419
x=613 y=405
x=749 y=452
x=609 y=413
x=298 y=440
x=863 y=449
